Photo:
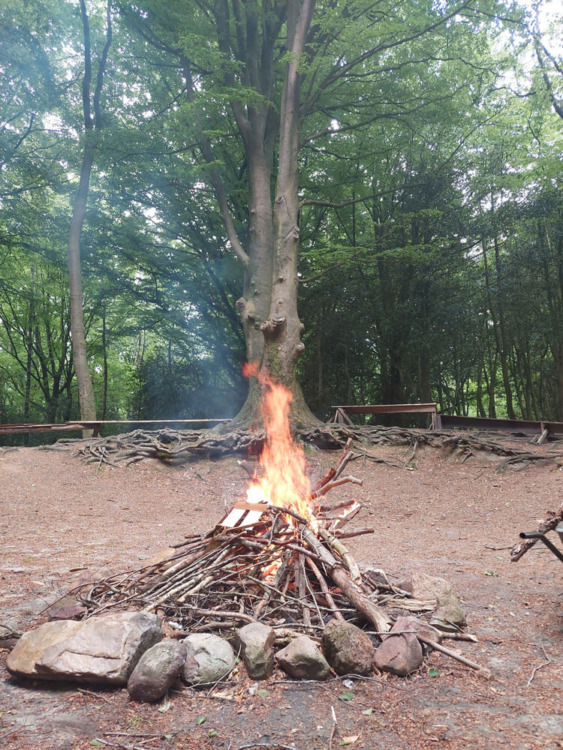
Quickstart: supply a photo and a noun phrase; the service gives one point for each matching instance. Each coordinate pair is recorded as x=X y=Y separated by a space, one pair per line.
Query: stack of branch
x=276 y=569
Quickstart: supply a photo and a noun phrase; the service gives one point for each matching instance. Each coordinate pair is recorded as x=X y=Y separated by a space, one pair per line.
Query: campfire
x=276 y=557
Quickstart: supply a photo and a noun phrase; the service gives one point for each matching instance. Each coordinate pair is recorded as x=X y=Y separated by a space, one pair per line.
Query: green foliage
x=431 y=246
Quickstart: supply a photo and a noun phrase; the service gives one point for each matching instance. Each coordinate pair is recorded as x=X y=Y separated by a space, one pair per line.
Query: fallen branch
x=453 y=654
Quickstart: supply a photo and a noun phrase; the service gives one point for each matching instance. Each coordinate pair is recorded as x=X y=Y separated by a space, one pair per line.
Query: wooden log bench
x=95 y=426
x=342 y=413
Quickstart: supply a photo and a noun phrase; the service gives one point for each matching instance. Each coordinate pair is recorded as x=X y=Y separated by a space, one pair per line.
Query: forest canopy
x=363 y=196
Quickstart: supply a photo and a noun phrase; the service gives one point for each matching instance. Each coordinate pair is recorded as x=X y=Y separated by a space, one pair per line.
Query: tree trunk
x=268 y=307
x=85 y=388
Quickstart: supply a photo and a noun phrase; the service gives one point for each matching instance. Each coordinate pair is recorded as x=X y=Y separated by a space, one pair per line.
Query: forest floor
x=60 y=518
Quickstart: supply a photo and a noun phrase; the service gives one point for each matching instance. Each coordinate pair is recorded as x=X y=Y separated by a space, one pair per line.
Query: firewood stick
x=342 y=550
x=278 y=580
x=312 y=593
x=342 y=465
x=321 y=551
x=222 y=613
x=324 y=480
x=301 y=589
x=345 y=519
x=365 y=606
x=330 y=508
x=324 y=588
x=350 y=590
x=336 y=483
x=354 y=532
x=452 y=654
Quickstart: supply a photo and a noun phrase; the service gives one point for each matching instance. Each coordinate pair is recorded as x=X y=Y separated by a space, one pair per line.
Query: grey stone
x=32 y=645
x=400 y=654
x=256 y=641
x=67 y=608
x=347 y=649
x=103 y=649
x=449 y=614
x=209 y=659
x=427 y=587
x=302 y=659
x=156 y=671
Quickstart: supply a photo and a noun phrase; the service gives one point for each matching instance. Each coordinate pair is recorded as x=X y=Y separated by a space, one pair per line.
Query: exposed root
x=175 y=447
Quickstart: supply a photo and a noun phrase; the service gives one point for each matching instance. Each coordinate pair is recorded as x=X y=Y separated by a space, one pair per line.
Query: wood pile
x=260 y=563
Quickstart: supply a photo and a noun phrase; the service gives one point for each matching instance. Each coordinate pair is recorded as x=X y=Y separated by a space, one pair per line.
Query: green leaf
x=433 y=672
x=492 y=573
x=212 y=733
x=263 y=693
x=347 y=696
x=201 y=720
x=97 y=743
x=367 y=712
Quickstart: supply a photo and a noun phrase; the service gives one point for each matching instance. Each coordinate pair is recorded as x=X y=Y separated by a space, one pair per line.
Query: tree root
x=175 y=447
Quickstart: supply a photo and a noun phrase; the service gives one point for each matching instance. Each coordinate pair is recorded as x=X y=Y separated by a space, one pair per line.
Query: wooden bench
x=341 y=412
x=96 y=426
x=540 y=429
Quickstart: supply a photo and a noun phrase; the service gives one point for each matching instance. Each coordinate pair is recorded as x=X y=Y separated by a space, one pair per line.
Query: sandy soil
x=60 y=518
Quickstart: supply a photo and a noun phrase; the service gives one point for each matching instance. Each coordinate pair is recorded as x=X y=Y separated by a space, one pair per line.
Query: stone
x=347 y=649
x=428 y=631
x=103 y=649
x=449 y=614
x=67 y=608
x=32 y=645
x=156 y=671
x=400 y=654
x=428 y=588
x=256 y=642
x=302 y=659
x=209 y=659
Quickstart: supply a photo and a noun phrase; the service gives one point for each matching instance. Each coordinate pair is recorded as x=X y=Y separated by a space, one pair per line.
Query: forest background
x=430 y=263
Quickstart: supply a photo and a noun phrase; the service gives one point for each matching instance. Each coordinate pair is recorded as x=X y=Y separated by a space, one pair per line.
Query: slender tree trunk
x=86 y=395
x=85 y=388
x=105 y=357
x=503 y=336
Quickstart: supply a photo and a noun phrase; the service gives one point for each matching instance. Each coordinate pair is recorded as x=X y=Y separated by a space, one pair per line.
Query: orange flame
x=284 y=482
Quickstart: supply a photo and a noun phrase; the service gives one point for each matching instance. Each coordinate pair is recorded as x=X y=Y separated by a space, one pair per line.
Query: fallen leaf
x=201 y=720
x=433 y=672
x=347 y=696
x=165 y=707
x=349 y=740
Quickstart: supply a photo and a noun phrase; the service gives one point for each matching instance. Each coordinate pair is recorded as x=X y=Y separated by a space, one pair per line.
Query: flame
x=284 y=481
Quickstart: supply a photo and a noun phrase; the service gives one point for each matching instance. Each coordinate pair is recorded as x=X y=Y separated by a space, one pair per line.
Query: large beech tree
x=266 y=69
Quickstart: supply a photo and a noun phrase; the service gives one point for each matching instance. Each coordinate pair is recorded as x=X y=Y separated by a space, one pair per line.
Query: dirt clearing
x=61 y=519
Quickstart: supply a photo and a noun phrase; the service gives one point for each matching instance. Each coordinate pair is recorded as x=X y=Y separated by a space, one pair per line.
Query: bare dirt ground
x=60 y=518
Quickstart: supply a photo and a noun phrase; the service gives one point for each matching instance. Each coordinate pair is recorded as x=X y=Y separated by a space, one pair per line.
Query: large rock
x=256 y=642
x=32 y=645
x=156 y=671
x=347 y=649
x=302 y=659
x=209 y=659
x=103 y=649
x=401 y=653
